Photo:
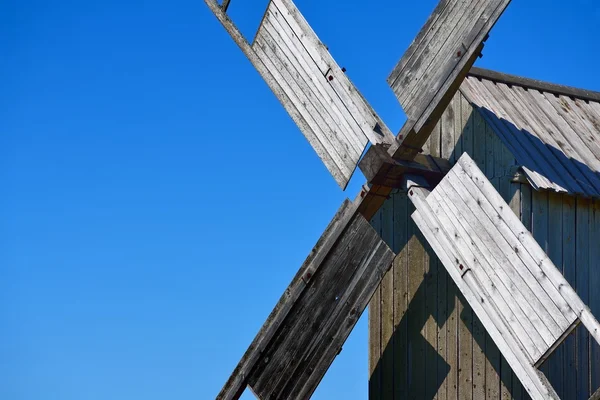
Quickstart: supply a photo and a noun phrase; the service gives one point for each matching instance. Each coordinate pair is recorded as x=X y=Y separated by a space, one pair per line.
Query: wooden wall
x=425 y=342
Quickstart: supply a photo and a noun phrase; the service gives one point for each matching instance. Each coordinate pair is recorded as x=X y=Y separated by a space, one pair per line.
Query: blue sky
x=156 y=199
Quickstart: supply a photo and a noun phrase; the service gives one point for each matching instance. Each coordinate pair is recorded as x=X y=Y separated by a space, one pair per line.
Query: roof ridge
x=499 y=77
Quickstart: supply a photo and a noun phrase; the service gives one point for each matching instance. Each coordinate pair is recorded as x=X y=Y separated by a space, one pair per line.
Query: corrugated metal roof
x=553 y=131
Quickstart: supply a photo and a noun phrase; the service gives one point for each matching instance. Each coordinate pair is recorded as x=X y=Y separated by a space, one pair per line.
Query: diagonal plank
x=306 y=330
x=443 y=48
x=521 y=298
x=333 y=116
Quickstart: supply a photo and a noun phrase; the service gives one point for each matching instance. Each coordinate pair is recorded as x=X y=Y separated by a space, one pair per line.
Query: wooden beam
x=381 y=169
x=225 y=5
x=498 y=77
x=410 y=142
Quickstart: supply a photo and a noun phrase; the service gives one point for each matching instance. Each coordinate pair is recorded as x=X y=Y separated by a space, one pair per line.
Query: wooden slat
x=401 y=268
x=302 y=350
x=485 y=272
x=445 y=45
x=237 y=382
x=594 y=283
x=307 y=73
x=582 y=262
x=535 y=384
x=304 y=104
x=375 y=347
x=570 y=274
x=533 y=251
x=551 y=322
x=359 y=108
x=465 y=188
x=387 y=307
x=555 y=252
x=275 y=85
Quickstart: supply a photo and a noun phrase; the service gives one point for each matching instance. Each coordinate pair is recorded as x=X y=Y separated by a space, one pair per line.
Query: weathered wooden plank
x=400 y=247
x=582 y=262
x=594 y=283
x=555 y=248
x=538 y=306
x=307 y=71
x=535 y=252
x=465 y=350
x=443 y=204
x=305 y=332
x=410 y=140
x=375 y=347
x=514 y=201
x=513 y=139
x=276 y=87
x=448 y=126
x=528 y=247
x=381 y=169
x=304 y=104
x=416 y=343
x=340 y=327
x=387 y=308
x=426 y=77
x=430 y=328
x=535 y=383
x=237 y=382
x=570 y=273
x=526 y=122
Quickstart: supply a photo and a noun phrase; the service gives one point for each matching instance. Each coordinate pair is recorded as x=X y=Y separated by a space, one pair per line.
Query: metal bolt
x=330 y=78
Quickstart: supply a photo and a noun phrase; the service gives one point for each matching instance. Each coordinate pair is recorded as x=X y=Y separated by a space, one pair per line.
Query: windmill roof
x=552 y=130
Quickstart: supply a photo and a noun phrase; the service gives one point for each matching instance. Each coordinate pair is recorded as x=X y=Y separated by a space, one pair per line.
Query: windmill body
x=430 y=209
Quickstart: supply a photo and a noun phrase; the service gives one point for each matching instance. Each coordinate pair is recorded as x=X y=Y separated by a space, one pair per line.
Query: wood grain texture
x=447 y=42
x=313 y=333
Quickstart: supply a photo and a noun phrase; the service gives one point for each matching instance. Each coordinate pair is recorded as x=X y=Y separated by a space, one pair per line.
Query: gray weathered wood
x=444 y=46
x=331 y=113
x=315 y=315
x=303 y=349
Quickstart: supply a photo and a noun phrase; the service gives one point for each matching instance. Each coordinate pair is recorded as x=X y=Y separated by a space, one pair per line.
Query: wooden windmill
x=503 y=273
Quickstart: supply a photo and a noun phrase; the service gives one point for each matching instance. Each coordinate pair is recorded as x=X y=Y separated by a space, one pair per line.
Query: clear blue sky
x=156 y=199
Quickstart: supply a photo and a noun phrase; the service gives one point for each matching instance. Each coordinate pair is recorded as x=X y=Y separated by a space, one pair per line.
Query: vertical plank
x=594 y=284
x=479 y=359
x=416 y=349
x=539 y=228
x=459 y=125
x=464 y=143
x=375 y=332
x=430 y=331
x=479 y=134
x=514 y=200
x=503 y=186
x=468 y=118
x=452 y=339
x=401 y=221
x=465 y=348
x=447 y=142
x=569 y=258
x=582 y=264
x=387 y=307
x=444 y=363
x=435 y=148
x=555 y=248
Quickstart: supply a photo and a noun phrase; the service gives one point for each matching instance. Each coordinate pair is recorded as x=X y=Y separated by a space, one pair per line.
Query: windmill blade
x=521 y=298
x=326 y=106
x=442 y=53
x=307 y=328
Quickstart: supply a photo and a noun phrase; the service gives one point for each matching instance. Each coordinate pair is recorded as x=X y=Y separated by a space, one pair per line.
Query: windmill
x=454 y=206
